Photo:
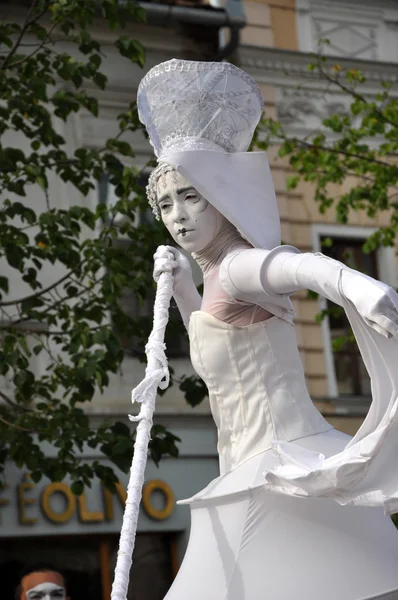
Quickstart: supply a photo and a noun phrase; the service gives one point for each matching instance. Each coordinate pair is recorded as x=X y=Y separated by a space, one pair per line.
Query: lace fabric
x=203 y=105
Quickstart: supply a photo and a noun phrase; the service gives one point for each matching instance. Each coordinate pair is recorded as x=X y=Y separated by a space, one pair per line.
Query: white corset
x=256 y=385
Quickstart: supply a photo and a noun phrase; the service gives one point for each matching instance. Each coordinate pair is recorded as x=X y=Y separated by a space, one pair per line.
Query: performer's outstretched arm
x=170 y=260
x=254 y=273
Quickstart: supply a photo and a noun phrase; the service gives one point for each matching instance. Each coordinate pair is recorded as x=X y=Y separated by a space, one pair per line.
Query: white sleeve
x=252 y=274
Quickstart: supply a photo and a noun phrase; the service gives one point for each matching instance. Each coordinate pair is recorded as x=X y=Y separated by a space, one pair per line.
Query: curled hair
x=151 y=190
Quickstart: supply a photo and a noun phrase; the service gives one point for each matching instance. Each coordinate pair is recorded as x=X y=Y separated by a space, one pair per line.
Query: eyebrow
x=179 y=191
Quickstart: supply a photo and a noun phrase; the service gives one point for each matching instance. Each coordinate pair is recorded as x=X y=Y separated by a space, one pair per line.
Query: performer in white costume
x=298 y=512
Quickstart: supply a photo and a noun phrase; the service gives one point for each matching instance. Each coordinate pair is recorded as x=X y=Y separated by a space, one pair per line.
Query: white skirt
x=249 y=543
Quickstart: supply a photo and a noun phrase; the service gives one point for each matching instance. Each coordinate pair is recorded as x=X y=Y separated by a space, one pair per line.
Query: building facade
x=46 y=521
x=275 y=49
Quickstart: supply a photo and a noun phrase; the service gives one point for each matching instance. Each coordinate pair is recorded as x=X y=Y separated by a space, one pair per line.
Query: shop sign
x=56 y=503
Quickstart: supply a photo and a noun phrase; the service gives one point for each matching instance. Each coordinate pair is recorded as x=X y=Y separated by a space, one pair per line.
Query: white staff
x=156 y=375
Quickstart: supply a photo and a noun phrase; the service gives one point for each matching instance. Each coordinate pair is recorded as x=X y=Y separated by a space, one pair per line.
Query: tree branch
x=53 y=306
x=347 y=173
x=60 y=333
x=14 y=404
x=353 y=93
x=3 y=420
x=342 y=152
x=38 y=47
x=24 y=29
x=41 y=292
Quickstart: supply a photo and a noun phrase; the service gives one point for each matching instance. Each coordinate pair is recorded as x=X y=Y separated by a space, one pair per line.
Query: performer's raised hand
x=376 y=302
x=164 y=262
x=170 y=260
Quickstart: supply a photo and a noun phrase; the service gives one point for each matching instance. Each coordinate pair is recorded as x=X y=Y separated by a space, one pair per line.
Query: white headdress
x=200 y=117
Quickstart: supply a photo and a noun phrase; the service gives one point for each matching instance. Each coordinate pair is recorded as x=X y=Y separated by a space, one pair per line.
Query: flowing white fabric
x=156 y=375
x=365 y=472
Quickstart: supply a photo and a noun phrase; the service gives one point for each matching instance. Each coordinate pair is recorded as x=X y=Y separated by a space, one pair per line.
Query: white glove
x=170 y=260
x=376 y=302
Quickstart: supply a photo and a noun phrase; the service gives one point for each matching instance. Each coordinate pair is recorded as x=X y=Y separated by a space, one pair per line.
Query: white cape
x=365 y=473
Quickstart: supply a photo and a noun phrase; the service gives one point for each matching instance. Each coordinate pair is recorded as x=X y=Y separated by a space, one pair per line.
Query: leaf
x=77 y=488
x=42 y=181
x=100 y=80
x=194 y=390
x=122 y=446
x=4 y=283
x=132 y=49
x=30 y=303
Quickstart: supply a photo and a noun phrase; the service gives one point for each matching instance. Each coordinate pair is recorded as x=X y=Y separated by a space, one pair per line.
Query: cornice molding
x=347 y=4
x=287 y=67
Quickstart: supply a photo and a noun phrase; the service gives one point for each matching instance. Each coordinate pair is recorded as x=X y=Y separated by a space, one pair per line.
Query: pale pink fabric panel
x=235 y=312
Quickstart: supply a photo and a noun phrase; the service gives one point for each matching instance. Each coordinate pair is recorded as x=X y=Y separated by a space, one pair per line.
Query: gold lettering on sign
x=70 y=502
x=85 y=515
x=167 y=492
x=3 y=501
x=23 y=501
x=108 y=499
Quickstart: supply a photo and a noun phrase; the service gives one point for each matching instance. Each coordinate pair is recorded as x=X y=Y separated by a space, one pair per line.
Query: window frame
x=385 y=257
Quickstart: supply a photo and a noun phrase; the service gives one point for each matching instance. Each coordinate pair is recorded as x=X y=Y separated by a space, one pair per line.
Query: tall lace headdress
x=200 y=117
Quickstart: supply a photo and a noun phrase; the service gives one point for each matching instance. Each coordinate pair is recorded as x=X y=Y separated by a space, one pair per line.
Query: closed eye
x=192 y=196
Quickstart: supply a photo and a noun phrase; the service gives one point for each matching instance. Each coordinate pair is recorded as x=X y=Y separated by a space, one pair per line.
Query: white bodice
x=256 y=385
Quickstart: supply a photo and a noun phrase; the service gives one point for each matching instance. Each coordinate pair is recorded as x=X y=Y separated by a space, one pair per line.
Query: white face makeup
x=192 y=222
x=46 y=591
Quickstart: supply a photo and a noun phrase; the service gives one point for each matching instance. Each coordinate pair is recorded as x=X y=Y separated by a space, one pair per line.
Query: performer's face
x=43 y=585
x=191 y=220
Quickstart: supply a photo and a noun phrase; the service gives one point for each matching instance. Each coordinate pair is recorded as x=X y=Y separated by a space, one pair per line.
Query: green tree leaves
x=61 y=338
x=359 y=144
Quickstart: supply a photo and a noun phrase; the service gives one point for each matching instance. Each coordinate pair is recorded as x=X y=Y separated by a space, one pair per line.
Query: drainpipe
x=232 y=17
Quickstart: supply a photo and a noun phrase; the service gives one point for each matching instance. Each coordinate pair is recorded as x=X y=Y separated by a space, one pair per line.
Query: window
x=346 y=372
x=176 y=339
x=351 y=375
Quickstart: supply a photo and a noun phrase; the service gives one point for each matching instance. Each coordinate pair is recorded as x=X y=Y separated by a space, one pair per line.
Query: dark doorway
x=88 y=576
x=75 y=556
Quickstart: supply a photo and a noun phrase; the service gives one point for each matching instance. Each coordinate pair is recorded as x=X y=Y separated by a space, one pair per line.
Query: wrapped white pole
x=156 y=375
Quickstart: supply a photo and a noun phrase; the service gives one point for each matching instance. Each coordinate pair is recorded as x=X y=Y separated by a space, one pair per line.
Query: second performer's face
x=191 y=220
